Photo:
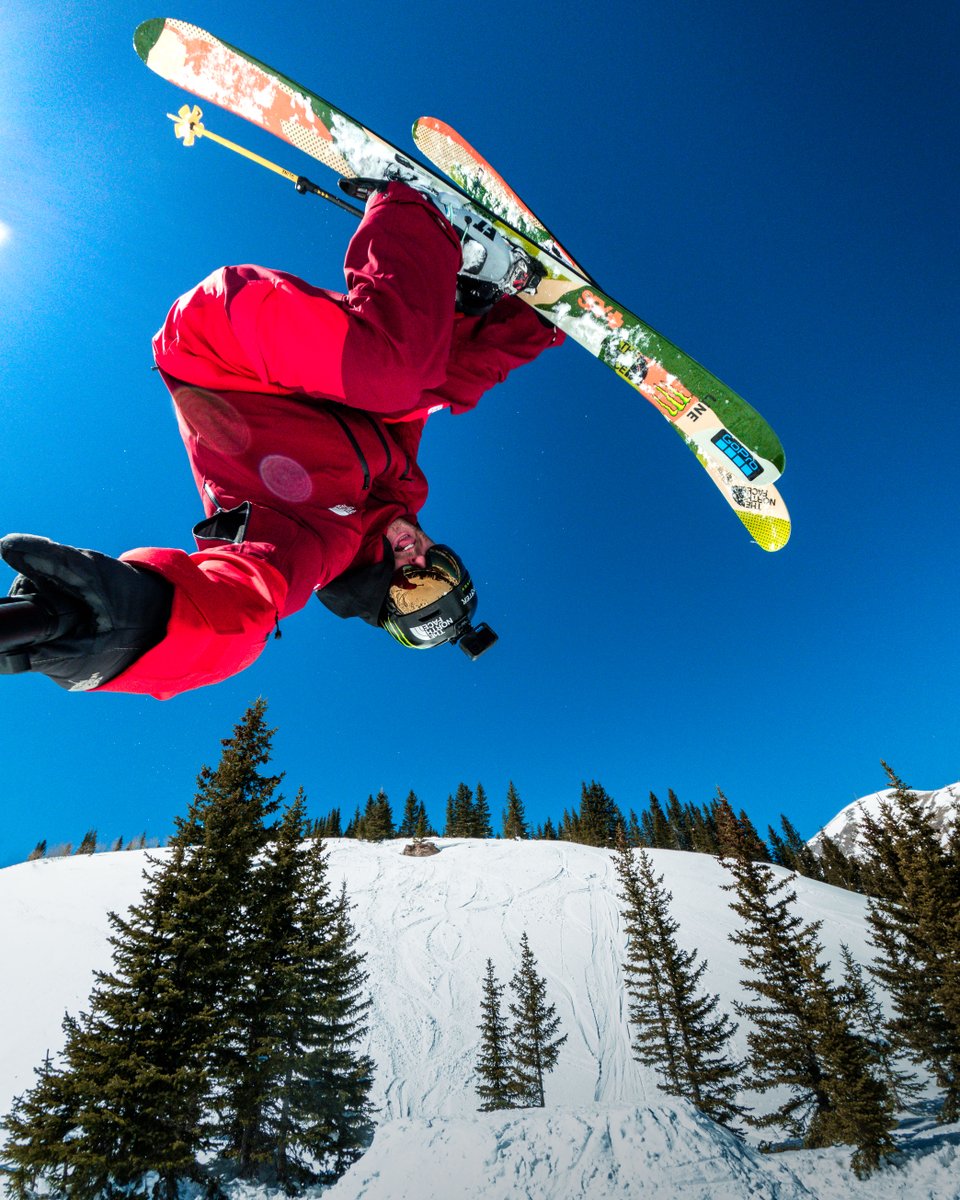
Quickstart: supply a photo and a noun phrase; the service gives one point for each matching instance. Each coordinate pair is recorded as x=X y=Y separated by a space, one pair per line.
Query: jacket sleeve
x=225 y=606
x=486 y=349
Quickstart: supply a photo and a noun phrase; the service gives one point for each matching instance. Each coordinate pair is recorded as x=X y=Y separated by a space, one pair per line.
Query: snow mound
x=563 y=1154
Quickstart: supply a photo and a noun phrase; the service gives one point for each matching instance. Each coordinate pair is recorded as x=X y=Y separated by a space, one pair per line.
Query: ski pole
x=187 y=125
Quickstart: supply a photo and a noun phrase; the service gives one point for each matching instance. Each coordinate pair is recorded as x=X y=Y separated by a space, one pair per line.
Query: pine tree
x=378 y=819
x=494 y=1069
x=548 y=833
x=39 y=851
x=865 y=1013
x=656 y=827
x=450 y=822
x=329 y=1097
x=736 y=834
x=88 y=844
x=460 y=813
x=839 y=869
x=800 y=1038
x=130 y=1095
x=481 y=824
x=704 y=838
x=411 y=813
x=534 y=1045
x=598 y=817
x=914 y=915
x=792 y=852
x=514 y=818
x=678 y=821
x=677 y=1029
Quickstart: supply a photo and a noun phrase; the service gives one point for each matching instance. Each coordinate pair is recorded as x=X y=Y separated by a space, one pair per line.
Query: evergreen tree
x=330 y=1097
x=548 y=833
x=39 y=851
x=494 y=1069
x=678 y=821
x=534 y=1046
x=88 y=844
x=460 y=819
x=481 y=823
x=514 y=817
x=736 y=834
x=130 y=1096
x=862 y=1005
x=136 y=1079
x=411 y=814
x=800 y=1038
x=634 y=833
x=450 y=822
x=839 y=869
x=792 y=852
x=656 y=827
x=677 y=1029
x=227 y=1021
x=355 y=827
x=598 y=817
x=914 y=915
x=378 y=819
x=704 y=838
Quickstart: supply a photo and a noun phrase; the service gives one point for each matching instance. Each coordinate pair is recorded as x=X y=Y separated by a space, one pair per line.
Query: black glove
x=101 y=614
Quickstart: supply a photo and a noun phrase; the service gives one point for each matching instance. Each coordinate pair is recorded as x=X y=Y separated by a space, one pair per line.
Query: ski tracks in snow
x=448 y=914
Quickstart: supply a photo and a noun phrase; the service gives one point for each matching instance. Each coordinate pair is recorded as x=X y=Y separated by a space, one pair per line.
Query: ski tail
x=469 y=170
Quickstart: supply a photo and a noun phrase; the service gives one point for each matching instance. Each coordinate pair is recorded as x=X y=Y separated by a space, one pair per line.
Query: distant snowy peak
x=943 y=805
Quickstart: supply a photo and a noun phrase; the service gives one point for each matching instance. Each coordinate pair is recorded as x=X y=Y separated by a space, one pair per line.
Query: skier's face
x=408 y=542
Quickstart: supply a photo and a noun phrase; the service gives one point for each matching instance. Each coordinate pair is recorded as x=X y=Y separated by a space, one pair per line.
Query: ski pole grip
x=23 y=623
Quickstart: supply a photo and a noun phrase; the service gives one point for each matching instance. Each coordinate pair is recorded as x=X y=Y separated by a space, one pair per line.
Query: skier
x=301 y=411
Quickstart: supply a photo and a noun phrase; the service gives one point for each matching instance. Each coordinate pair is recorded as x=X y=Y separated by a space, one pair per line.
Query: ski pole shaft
x=22 y=623
x=188 y=127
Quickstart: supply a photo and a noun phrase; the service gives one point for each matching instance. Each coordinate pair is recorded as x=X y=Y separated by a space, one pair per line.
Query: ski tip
x=770 y=533
x=147 y=34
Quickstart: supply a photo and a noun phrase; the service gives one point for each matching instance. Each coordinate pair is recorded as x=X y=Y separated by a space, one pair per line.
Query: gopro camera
x=476 y=640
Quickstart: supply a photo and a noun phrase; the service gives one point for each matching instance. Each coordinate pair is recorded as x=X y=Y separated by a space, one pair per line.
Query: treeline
x=595 y=821
x=222 y=1042
x=843 y=1066
x=88 y=844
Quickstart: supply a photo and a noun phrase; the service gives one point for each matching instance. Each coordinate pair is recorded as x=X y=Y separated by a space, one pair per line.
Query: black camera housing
x=476 y=640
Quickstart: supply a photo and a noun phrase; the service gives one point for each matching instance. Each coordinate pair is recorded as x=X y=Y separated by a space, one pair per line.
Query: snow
x=428 y=926
x=942 y=804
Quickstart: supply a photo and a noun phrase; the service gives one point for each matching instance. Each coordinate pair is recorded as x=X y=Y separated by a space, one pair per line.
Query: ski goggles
x=430 y=605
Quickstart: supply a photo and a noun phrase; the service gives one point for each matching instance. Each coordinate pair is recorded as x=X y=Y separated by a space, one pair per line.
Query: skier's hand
x=103 y=614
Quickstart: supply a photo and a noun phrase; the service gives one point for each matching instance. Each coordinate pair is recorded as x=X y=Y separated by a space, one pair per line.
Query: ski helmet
x=430 y=605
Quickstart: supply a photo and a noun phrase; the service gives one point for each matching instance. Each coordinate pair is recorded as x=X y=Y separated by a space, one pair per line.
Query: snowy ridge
x=943 y=804
x=428 y=926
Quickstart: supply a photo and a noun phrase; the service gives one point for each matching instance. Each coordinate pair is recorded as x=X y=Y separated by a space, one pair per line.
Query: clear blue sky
x=772 y=186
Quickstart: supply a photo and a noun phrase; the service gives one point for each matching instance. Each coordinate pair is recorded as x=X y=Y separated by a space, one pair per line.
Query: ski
x=734 y=444
x=470 y=171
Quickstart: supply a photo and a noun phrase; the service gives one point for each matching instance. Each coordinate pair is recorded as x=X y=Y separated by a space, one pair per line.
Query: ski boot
x=493 y=267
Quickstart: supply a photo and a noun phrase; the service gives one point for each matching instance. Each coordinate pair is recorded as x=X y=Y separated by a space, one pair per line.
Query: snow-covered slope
x=428 y=925
x=942 y=804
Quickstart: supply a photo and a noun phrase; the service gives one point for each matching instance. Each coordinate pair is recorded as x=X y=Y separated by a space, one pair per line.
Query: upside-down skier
x=301 y=411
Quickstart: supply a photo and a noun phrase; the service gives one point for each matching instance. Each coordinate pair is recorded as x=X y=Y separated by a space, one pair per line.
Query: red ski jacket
x=307 y=406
